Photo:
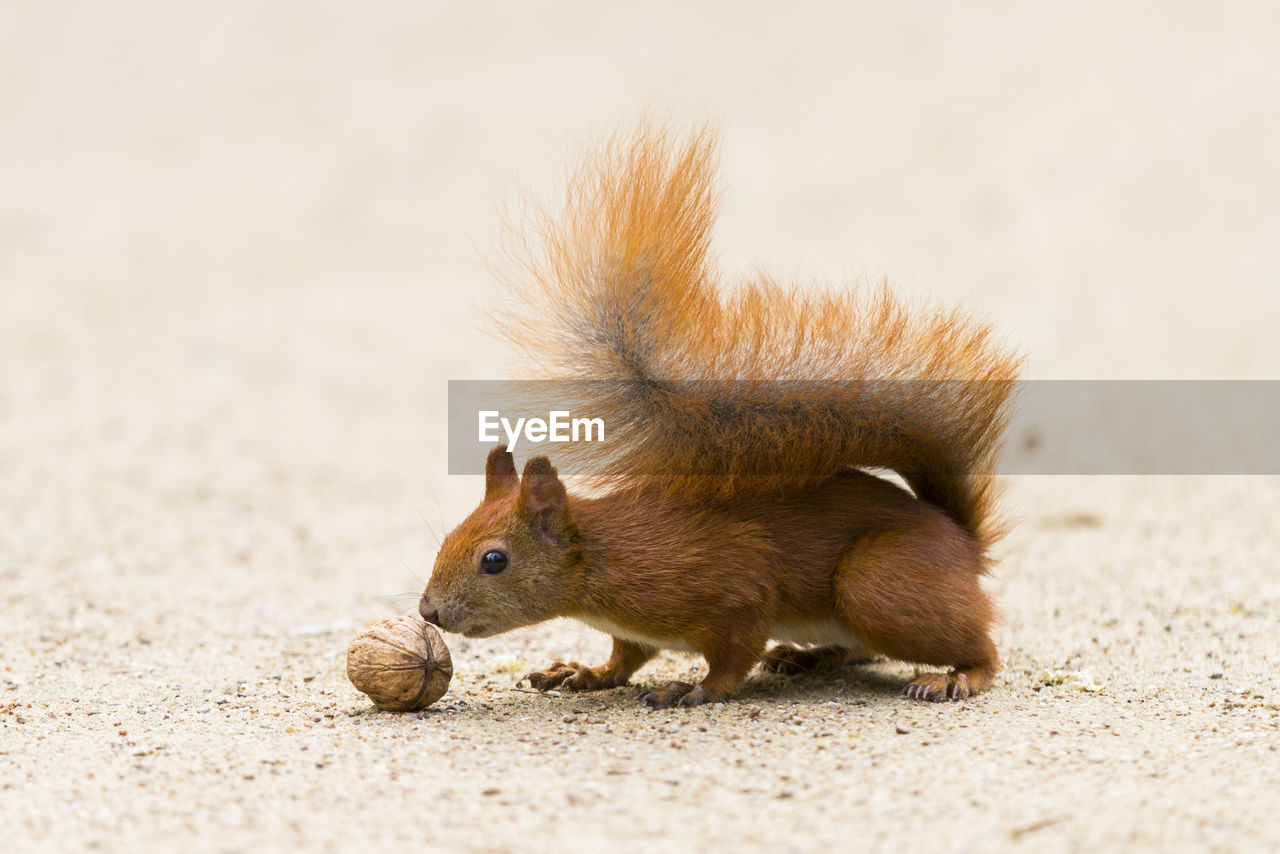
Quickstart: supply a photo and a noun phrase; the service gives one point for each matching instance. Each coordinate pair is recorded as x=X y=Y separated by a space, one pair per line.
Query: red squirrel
x=738 y=509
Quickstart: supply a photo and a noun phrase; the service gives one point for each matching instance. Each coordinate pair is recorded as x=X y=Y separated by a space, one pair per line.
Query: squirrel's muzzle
x=428 y=611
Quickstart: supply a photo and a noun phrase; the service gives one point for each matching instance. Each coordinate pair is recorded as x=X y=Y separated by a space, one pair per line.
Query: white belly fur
x=824 y=633
x=610 y=628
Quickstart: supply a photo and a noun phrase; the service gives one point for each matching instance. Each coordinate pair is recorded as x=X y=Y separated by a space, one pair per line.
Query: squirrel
x=738 y=509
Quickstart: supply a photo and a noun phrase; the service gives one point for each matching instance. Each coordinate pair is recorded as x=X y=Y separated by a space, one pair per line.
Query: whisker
x=403 y=593
x=440 y=515
x=399 y=600
x=409 y=570
x=430 y=528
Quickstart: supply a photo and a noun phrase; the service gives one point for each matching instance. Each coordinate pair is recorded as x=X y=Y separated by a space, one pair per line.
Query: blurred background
x=242 y=246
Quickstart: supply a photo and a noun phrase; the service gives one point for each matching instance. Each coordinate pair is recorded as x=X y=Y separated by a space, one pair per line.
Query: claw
x=696 y=697
x=572 y=676
x=938 y=687
x=672 y=693
x=556 y=674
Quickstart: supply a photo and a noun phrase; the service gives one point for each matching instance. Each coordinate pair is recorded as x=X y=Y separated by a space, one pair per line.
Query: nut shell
x=402 y=663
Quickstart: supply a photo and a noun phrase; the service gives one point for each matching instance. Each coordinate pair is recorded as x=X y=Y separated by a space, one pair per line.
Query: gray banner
x=1056 y=426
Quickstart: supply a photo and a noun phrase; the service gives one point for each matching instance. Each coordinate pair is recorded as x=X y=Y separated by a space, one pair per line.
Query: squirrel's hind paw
x=938 y=687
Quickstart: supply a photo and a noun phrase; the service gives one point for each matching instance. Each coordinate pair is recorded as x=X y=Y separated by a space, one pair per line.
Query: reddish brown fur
x=719 y=576
x=620 y=288
x=736 y=513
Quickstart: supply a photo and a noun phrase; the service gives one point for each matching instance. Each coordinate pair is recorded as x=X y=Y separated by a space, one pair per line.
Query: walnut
x=401 y=663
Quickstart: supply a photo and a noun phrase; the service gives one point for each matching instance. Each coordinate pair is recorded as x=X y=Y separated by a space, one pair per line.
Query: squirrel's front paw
x=570 y=676
x=554 y=676
x=676 y=694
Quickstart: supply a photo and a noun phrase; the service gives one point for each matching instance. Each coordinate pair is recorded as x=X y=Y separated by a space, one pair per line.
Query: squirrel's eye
x=493 y=562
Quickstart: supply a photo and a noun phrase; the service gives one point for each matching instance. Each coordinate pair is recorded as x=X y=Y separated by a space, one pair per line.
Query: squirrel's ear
x=499 y=471
x=543 y=499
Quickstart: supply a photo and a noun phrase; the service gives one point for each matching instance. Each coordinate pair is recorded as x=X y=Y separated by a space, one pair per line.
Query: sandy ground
x=241 y=253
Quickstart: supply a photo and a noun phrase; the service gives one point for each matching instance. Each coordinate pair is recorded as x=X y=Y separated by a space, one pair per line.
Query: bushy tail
x=766 y=388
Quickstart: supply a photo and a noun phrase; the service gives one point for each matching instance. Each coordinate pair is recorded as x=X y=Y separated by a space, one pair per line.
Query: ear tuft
x=543 y=499
x=499 y=472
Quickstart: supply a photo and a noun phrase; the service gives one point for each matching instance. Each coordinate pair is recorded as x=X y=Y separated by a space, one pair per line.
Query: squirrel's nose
x=428 y=611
